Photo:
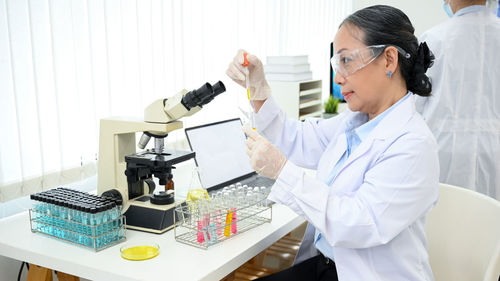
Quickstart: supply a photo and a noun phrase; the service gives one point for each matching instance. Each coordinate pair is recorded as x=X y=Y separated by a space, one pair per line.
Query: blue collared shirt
x=354 y=137
x=470 y=9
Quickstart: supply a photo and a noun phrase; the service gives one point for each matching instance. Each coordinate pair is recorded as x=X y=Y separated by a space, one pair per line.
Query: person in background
x=464 y=110
x=377 y=163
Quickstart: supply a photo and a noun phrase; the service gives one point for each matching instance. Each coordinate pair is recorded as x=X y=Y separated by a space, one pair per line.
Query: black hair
x=386 y=25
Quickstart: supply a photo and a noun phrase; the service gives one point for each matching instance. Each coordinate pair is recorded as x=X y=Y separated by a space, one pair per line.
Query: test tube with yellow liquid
x=249 y=95
x=229 y=221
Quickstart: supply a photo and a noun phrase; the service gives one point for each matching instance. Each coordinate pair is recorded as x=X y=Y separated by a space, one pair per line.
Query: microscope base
x=149 y=229
x=148 y=217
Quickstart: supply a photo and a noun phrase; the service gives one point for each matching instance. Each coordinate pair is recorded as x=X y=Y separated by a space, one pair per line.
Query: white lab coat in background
x=464 y=110
x=373 y=213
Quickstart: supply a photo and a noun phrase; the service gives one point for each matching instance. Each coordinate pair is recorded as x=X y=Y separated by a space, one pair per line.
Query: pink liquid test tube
x=200 y=236
x=234 y=227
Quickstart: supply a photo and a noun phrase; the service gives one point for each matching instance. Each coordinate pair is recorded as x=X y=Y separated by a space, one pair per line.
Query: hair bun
x=423 y=60
x=419 y=82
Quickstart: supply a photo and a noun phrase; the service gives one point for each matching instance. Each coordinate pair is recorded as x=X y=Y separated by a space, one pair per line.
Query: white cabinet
x=299 y=100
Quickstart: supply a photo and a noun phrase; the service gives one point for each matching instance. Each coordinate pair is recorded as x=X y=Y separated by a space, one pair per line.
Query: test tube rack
x=205 y=229
x=79 y=218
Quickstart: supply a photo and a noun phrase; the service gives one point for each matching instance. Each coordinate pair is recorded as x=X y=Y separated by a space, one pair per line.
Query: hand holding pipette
x=247 y=70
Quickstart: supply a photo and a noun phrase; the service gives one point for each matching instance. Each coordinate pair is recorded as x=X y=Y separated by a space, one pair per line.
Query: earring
x=389 y=74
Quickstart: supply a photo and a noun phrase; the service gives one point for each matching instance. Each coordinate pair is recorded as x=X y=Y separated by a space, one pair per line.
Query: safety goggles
x=348 y=62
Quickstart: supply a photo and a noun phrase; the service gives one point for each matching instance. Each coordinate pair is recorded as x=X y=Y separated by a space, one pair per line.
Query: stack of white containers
x=287 y=68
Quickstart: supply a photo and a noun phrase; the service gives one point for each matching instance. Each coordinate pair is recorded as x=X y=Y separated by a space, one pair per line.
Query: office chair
x=463 y=233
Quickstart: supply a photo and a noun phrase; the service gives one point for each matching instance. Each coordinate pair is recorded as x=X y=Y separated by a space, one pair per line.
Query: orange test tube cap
x=245 y=63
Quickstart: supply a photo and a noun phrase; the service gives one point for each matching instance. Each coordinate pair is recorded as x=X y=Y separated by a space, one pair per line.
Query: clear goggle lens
x=347 y=63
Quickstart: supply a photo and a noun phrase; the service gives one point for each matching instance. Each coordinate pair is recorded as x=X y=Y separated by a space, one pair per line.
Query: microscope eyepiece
x=195 y=97
x=203 y=95
x=219 y=88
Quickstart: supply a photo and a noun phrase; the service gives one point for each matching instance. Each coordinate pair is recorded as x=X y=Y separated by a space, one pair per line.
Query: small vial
x=257 y=195
x=92 y=222
x=229 y=220
x=213 y=233
x=97 y=226
x=170 y=183
x=121 y=231
x=199 y=236
x=61 y=218
x=56 y=222
x=67 y=213
x=37 y=205
x=232 y=186
x=250 y=189
x=264 y=190
x=69 y=223
x=105 y=218
x=249 y=197
x=205 y=235
x=240 y=196
x=50 y=210
x=206 y=223
x=81 y=227
x=218 y=222
x=234 y=227
x=113 y=222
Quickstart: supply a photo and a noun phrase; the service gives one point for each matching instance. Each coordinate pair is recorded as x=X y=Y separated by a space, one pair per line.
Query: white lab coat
x=464 y=110
x=374 y=211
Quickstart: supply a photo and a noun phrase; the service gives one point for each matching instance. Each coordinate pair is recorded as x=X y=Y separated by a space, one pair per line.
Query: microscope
x=127 y=175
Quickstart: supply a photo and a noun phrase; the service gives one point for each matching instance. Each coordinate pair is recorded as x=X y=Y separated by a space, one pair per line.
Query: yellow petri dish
x=140 y=252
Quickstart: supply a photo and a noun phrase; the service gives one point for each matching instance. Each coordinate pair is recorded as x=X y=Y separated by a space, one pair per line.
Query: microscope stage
x=166 y=158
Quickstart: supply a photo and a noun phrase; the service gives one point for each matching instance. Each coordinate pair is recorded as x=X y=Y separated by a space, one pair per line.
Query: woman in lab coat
x=463 y=112
x=377 y=164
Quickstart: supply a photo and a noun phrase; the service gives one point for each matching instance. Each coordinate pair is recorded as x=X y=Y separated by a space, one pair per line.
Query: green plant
x=331 y=105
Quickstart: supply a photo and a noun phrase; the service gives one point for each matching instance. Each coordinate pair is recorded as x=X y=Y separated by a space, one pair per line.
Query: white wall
x=423 y=14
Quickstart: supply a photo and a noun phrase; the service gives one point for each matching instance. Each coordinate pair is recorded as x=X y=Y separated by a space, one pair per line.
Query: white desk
x=176 y=261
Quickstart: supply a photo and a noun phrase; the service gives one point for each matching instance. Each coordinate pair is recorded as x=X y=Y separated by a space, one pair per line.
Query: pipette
x=247 y=82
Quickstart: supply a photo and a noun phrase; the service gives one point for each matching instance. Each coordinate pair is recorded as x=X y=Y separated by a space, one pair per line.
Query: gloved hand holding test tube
x=247 y=70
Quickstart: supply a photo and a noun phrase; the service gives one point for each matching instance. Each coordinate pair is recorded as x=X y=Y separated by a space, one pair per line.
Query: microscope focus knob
x=151 y=184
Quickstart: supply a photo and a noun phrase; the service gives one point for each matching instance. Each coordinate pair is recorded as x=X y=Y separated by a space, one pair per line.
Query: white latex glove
x=259 y=88
x=265 y=158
